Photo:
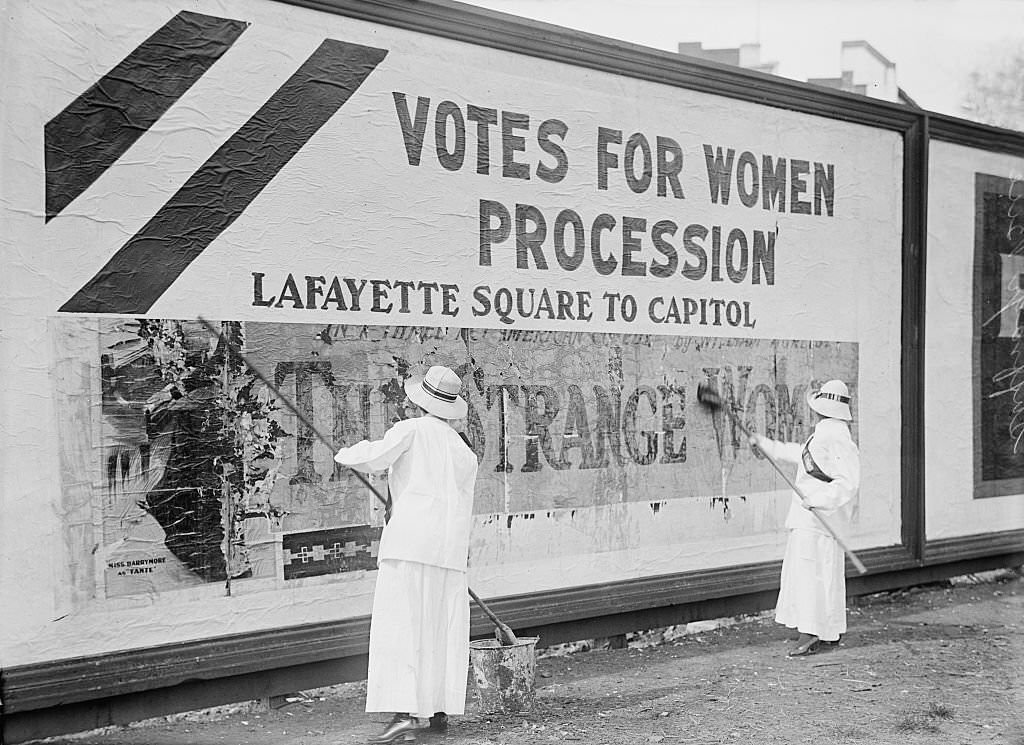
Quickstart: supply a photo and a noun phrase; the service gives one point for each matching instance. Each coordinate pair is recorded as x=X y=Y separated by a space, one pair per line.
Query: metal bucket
x=504 y=676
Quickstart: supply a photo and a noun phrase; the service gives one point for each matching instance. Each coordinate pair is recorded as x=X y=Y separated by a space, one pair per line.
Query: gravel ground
x=939 y=664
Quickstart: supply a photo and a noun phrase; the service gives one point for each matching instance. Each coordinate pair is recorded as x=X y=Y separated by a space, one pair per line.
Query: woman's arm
x=367 y=456
x=784 y=452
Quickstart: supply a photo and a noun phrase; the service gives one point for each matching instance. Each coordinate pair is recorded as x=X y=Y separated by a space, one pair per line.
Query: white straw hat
x=437 y=392
x=831 y=400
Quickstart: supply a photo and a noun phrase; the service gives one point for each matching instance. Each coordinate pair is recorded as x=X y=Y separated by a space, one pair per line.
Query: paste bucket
x=504 y=675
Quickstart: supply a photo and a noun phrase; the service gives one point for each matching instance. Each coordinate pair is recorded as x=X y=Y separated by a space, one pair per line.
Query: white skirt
x=419 y=640
x=812 y=595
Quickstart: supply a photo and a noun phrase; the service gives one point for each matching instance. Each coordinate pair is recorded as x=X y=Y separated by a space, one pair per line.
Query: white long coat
x=812 y=592
x=431 y=475
x=419 y=631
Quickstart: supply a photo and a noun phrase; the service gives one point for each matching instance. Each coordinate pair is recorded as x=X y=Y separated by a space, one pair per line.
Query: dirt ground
x=940 y=664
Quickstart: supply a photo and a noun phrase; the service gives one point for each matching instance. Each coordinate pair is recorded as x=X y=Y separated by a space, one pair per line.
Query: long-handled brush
x=503 y=633
x=709 y=397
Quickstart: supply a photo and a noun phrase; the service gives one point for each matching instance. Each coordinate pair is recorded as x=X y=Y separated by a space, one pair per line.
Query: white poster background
x=952 y=509
x=349 y=204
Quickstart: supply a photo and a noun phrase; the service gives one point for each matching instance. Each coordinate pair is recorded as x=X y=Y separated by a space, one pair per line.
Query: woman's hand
x=755 y=441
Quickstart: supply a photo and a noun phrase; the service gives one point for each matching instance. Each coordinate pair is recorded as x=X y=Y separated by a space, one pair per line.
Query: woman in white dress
x=419 y=631
x=812 y=592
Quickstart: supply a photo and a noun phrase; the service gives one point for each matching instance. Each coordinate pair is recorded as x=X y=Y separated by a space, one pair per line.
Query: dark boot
x=439 y=722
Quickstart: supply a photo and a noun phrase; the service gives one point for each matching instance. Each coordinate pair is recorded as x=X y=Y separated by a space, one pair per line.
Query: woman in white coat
x=419 y=631
x=812 y=592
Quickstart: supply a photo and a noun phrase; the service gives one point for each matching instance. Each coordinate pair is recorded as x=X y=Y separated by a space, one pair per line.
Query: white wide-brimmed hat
x=437 y=392
x=831 y=400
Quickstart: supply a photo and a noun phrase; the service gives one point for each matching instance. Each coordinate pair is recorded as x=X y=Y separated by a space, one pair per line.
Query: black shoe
x=439 y=722
x=402 y=728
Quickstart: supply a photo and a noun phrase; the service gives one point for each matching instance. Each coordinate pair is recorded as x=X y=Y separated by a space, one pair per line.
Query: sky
x=935 y=44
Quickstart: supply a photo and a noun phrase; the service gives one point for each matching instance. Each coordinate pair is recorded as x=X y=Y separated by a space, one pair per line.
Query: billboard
x=998 y=298
x=973 y=333
x=353 y=202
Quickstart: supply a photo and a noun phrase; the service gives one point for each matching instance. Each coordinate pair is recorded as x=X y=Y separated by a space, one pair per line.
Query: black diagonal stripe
x=227 y=183
x=97 y=128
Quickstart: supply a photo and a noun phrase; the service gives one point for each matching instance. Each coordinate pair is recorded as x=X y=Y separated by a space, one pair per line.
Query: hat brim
x=444 y=409
x=827 y=408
